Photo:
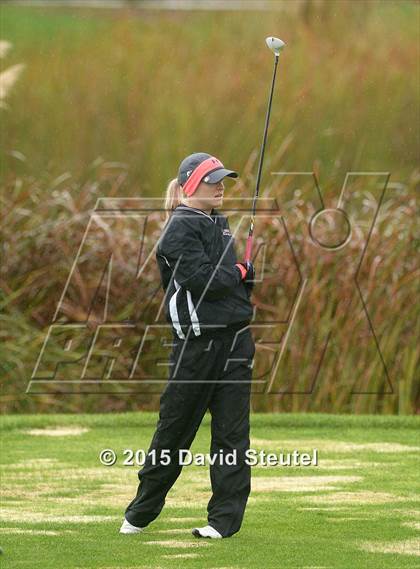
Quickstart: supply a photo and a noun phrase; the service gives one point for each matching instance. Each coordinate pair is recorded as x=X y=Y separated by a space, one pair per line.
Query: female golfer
x=207 y=304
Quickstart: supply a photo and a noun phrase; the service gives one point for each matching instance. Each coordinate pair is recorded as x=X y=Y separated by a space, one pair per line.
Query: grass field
x=358 y=508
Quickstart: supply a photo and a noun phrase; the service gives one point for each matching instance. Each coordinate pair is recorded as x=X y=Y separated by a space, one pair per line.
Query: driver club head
x=275 y=44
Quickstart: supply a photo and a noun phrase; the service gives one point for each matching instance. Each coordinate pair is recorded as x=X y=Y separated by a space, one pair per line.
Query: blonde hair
x=173 y=196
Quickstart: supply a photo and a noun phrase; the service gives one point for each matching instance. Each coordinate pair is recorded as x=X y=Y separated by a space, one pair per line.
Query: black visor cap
x=219 y=174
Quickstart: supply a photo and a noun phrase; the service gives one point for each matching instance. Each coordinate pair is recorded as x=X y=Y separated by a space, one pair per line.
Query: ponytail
x=173 y=196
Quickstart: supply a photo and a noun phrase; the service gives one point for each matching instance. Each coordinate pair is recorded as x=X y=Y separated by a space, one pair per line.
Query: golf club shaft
x=260 y=165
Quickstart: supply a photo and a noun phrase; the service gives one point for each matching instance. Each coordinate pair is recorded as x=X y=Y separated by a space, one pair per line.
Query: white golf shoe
x=206 y=531
x=129 y=528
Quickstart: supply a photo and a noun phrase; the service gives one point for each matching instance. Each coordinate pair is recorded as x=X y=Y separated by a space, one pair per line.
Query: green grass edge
x=143 y=418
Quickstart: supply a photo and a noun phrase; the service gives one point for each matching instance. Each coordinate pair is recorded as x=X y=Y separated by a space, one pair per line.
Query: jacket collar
x=183 y=207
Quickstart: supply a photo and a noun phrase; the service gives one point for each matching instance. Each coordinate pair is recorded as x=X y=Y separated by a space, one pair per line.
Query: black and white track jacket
x=203 y=287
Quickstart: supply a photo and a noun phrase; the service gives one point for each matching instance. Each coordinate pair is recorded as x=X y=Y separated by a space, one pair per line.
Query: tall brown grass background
x=106 y=104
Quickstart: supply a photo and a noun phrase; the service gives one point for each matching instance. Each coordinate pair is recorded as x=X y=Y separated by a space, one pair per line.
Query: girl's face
x=206 y=196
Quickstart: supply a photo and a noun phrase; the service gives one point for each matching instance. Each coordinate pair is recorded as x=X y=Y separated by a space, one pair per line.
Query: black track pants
x=207 y=373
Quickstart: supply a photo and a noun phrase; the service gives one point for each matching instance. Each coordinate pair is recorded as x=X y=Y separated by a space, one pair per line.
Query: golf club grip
x=248 y=248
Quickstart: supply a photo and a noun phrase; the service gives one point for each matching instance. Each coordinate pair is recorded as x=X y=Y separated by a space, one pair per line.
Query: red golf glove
x=248 y=272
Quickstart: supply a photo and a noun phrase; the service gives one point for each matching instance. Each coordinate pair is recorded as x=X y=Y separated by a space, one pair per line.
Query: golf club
x=276 y=45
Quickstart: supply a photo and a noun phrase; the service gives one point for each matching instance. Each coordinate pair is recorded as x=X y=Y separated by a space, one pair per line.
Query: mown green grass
x=281 y=528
